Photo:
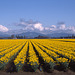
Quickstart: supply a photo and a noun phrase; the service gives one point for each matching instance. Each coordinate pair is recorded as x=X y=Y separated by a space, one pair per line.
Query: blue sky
x=47 y=12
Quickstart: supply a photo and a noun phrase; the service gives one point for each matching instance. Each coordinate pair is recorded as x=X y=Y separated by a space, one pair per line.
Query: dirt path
x=69 y=72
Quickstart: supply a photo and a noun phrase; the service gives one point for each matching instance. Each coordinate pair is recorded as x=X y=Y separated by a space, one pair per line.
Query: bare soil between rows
x=55 y=72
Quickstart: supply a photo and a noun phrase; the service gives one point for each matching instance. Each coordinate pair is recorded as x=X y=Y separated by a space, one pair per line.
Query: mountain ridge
x=36 y=34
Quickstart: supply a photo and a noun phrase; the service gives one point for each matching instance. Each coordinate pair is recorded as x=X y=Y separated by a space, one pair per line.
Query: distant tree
x=68 y=36
x=21 y=37
x=12 y=36
x=24 y=37
x=16 y=36
x=72 y=36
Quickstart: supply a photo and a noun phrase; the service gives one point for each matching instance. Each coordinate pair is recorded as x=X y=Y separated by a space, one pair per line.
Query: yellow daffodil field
x=37 y=54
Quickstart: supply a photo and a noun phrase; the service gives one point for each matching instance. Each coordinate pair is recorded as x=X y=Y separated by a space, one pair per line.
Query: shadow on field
x=72 y=66
x=45 y=66
x=26 y=67
x=10 y=67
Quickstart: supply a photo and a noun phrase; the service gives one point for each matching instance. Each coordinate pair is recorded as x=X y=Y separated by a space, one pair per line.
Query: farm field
x=37 y=55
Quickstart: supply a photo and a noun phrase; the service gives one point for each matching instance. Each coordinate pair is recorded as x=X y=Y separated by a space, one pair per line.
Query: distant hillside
x=2 y=34
x=30 y=34
x=36 y=34
x=58 y=35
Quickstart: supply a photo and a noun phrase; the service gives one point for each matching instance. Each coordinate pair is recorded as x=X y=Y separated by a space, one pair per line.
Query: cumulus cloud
x=30 y=25
x=62 y=28
x=53 y=26
x=71 y=29
x=3 y=28
x=39 y=26
x=47 y=28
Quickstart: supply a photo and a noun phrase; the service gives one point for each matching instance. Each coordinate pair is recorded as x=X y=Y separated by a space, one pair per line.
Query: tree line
x=17 y=37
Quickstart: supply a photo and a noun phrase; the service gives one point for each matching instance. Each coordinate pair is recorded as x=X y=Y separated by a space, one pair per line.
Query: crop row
x=33 y=54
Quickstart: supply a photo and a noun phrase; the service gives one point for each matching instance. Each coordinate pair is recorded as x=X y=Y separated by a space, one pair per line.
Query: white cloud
x=62 y=26
x=3 y=28
x=39 y=26
x=31 y=25
x=53 y=26
x=28 y=28
x=71 y=29
x=47 y=28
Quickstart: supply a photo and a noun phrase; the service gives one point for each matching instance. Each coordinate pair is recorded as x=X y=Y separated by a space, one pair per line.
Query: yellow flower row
x=60 y=48
x=9 y=55
x=6 y=44
x=21 y=56
x=10 y=49
x=56 y=48
x=45 y=57
x=62 y=60
x=51 y=53
x=33 y=59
